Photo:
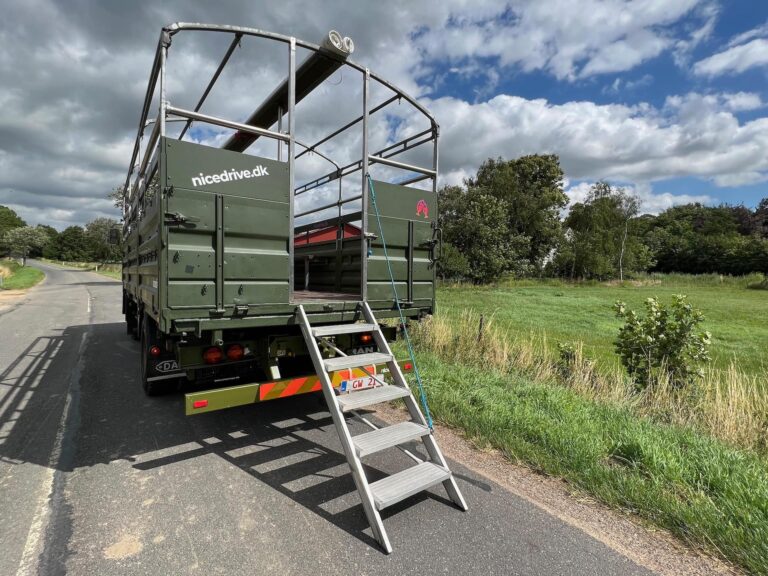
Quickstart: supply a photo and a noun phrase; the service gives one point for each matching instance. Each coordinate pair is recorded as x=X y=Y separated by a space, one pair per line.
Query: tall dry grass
x=727 y=404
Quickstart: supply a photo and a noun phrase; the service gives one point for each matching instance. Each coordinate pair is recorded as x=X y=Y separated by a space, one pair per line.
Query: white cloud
x=758 y=32
x=692 y=135
x=734 y=60
x=71 y=123
x=567 y=39
x=743 y=101
x=650 y=202
x=708 y=14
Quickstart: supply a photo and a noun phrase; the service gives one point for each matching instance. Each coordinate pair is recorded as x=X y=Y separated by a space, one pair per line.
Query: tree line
x=89 y=243
x=510 y=219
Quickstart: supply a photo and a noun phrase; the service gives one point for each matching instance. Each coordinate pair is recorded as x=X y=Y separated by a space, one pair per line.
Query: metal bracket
x=179 y=218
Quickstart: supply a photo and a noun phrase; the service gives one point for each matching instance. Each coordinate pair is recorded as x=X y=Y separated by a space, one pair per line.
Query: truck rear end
x=223 y=243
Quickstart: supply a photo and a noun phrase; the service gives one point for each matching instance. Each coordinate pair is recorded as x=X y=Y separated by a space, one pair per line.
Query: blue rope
x=422 y=394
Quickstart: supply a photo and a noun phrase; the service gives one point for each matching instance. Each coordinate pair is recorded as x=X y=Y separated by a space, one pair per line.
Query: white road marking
x=31 y=553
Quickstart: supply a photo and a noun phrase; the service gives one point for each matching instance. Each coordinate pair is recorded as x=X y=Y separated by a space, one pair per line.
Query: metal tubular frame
x=157 y=82
x=230 y=51
x=357 y=165
x=348 y=125
x=340 y=203
x=291 y=158
x=226 y=123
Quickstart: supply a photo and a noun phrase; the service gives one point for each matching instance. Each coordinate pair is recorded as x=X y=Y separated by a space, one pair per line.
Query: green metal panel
x=227 y=220
x=191 y=263
x=199 y=167
x=406 y=216
x=255 y=256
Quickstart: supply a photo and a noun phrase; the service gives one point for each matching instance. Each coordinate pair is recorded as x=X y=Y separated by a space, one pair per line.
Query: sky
x=666 y=98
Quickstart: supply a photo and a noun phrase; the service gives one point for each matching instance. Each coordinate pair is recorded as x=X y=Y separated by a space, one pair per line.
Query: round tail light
x=235 y=352
x=154 y=351
x=213 y=355
x=365 y=338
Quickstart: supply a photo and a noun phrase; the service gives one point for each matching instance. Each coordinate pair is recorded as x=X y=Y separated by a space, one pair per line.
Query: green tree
x=531 y=187
x=8 y=221
x=760 y=219
x=699 y=239
x=117 y=195
x=49 y=246
x=97 y=246
x=475 y=224
x=602 y=240
x=452 y=265
x=71 y=244
x=24 y=239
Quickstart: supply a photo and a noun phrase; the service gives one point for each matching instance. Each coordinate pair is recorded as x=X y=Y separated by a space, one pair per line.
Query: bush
x=665 y=344
x=452 y=265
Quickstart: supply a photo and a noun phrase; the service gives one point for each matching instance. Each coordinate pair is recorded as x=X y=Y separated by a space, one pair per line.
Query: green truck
x=250 y=275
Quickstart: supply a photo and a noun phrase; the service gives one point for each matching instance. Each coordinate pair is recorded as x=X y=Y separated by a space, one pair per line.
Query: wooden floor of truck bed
x=317 y=296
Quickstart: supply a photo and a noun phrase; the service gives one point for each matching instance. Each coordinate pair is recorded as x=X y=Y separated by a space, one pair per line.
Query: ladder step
x=356 y=360
x=363 y=398
x=387 y=437
x=319 y=331
x=393 y=489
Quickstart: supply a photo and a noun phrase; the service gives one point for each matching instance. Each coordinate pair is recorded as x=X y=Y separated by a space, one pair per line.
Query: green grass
x=707 y=493
x=20 y=277
x=566 y=312
x=693 y=462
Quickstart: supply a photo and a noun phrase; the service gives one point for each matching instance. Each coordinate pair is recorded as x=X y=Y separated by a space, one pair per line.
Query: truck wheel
x=130 y=320
x=149 y=339
x=134 y=326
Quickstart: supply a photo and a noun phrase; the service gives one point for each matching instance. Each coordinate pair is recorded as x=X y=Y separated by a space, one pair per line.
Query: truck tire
x=131 y=321
x=148 y=339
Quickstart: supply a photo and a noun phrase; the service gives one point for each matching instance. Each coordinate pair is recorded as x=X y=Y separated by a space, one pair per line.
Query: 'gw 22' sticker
x=422 y=209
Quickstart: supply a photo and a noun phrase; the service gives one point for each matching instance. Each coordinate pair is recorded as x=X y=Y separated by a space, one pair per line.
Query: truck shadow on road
x=290 y=445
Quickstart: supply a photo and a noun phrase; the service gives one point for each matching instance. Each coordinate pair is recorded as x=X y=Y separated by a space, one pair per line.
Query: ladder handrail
x=358 y=474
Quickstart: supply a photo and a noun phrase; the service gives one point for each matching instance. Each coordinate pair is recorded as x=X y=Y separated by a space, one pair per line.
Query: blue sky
x=650 y=82
x=664 y=97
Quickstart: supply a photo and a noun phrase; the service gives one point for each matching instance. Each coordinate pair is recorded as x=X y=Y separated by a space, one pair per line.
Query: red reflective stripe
x=293 y=387
x=199 y=403
x=265 y=389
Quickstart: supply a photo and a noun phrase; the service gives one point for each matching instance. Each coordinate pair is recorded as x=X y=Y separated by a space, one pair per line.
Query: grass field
x=693 y=461
x=709 y=494
x=565 y=312
x=17 y=277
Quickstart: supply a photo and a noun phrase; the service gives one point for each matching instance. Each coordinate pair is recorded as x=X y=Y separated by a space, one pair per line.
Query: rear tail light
x=365 y=338
x=154 y=351
x=235 y=352
x=213 y=355
x=200 y=404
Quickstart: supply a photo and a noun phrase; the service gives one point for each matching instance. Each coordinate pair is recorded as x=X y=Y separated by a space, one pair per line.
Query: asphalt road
x=95 y=478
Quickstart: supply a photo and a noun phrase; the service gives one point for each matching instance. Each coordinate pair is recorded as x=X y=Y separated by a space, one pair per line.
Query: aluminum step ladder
x=390 y=490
